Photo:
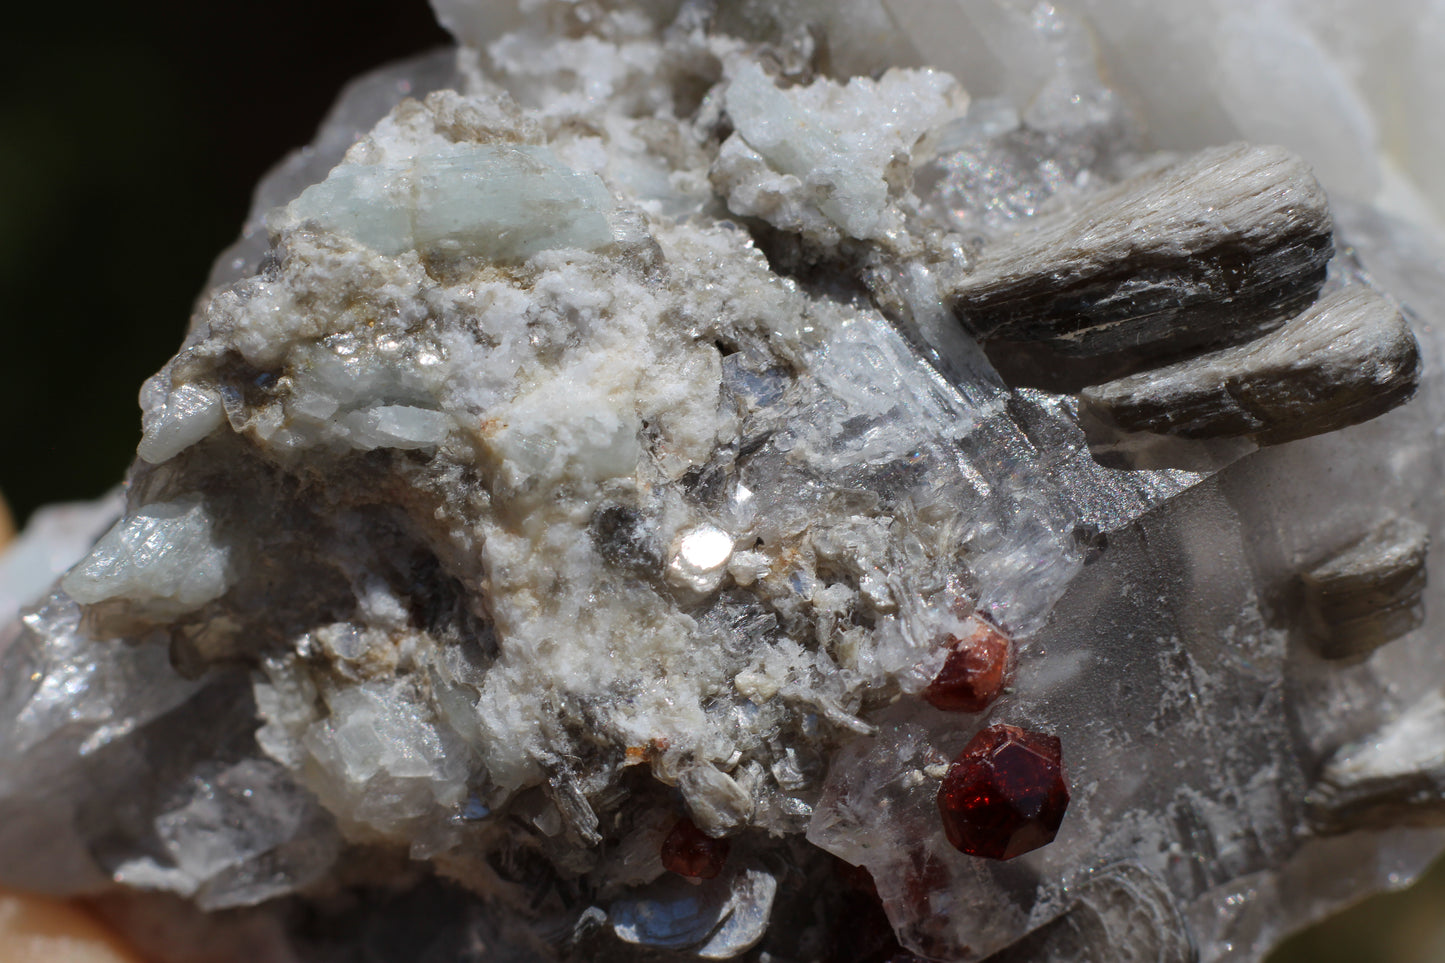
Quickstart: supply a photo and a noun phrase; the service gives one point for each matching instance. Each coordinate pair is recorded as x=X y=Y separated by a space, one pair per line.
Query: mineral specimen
x=688 y=851
x=1370 y=593
x=1213 y=250
x=1005 y=794
x=623 y=463
x=974 y=672
x=1347 y=359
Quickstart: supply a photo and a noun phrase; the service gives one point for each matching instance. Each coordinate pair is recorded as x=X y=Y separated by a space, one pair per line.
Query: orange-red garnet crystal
x=1005 y=794
x=975 y=671
x=688 y=851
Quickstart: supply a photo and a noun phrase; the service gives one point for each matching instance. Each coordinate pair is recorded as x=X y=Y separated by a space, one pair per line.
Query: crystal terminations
x=1005 y=794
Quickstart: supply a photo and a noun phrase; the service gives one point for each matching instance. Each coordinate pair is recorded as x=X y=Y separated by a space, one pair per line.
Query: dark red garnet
x=1005 y=794
x=975 y=672
x=688 y=851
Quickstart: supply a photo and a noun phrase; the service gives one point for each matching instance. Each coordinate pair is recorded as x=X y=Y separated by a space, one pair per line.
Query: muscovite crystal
x=675 y=480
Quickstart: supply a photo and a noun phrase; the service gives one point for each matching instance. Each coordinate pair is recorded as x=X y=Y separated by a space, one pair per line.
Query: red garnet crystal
x=1005 y=794
x=974 y=674
x=688 y=851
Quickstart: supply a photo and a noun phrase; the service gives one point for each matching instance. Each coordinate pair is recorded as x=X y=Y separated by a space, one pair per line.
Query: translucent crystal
x=182 y=419
x=1005 y=794
x=55 y=539
x=241 y=836
x=630 y=423
x=498 y=202
x=166 y=556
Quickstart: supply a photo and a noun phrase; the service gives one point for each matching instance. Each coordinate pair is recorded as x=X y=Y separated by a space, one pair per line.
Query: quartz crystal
x=778 y=480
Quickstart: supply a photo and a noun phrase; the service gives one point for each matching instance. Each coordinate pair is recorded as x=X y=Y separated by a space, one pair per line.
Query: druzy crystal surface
x=667 y=413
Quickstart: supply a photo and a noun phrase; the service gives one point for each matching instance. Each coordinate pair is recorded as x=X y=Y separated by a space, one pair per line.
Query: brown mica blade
x=1368 y=594
x=1216 y=249
x=1349 y=358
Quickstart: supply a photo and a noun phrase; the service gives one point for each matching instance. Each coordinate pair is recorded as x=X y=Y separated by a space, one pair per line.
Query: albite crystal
x=784 y=481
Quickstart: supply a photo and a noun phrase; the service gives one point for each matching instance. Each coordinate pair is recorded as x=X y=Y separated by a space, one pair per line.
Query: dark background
x=131 y=135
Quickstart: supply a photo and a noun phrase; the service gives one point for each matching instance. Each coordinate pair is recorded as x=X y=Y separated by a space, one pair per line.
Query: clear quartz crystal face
x=823 y=482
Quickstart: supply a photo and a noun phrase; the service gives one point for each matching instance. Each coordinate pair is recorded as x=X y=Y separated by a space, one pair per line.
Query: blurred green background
x=130 y=138
x=1404 y=927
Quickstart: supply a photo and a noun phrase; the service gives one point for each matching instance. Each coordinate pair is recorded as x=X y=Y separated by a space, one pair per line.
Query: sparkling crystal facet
x=1005 y=794
x=688 y=851
x=975 y=672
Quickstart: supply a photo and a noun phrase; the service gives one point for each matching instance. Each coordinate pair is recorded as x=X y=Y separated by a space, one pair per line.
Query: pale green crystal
x=499 y=202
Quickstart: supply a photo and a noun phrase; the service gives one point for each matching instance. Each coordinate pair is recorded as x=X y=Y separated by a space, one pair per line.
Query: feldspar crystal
x=677 y=479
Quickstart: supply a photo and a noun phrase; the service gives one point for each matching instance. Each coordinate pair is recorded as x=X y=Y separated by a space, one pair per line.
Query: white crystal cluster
x=607 y=434
x=818 y=160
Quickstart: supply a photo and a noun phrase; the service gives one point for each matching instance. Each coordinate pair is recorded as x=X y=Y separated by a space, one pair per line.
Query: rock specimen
x=633 y=499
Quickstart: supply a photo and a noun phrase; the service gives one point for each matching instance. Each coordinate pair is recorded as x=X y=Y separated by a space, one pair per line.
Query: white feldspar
x=822 y=158
x=622 y=430
x=166 y=556
x=184 y=417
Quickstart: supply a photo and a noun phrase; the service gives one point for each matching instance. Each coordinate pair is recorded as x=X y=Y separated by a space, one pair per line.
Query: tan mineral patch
x=7 y=524
x=34 y=929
